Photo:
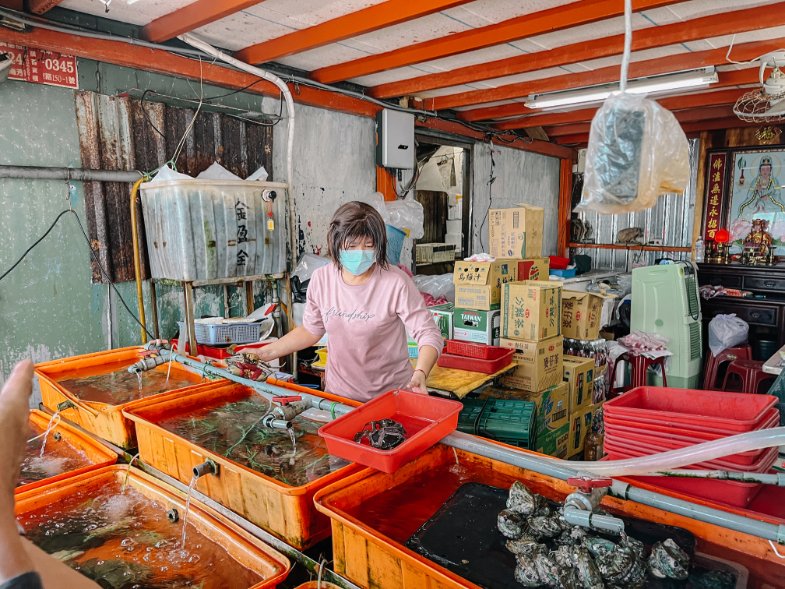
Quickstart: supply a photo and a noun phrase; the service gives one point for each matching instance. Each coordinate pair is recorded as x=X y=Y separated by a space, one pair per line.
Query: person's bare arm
x=17 y=555
x=294 y=341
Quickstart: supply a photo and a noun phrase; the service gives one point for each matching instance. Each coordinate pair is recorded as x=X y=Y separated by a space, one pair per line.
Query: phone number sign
x=41 y=67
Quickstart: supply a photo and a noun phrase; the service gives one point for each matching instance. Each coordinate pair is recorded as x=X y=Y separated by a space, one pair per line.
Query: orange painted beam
x=40 y=6
x=533 y=145
x=192 y=16
x=690 y=129
x=606 y=75
x=157 y=60
x=685 y=116
x=673 y=103
x=527 y=25
x=706 y=27
x=373 y=18
x=385 y=183
x=726 y=79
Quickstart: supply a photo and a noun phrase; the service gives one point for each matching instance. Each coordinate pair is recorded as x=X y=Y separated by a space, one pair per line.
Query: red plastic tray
x=661 y=444
x=426 y=420
x=738 y=412
x=501 y=358
x=629 y=450
x=769 y=419
x=471 y=349
x=726 y=492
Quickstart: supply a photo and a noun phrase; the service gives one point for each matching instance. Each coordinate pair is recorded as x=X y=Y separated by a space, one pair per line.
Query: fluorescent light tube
x=663 y=83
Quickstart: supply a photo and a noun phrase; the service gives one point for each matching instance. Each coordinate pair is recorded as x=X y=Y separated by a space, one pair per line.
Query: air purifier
x=665 y=301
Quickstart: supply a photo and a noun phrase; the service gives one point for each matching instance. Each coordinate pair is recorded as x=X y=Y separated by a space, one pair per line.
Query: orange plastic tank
x=92 y=390
x=373 y=514
x=285 y=510
x=77 y=452
x=139 y=531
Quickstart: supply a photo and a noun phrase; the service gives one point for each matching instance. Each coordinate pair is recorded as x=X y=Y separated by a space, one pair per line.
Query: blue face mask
x=357 y=261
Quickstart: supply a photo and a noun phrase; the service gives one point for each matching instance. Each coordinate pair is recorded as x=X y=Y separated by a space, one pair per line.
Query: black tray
x=463 y=538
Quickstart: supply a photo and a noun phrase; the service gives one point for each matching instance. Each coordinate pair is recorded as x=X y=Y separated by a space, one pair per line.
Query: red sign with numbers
x=714 y=194
x=41 y=67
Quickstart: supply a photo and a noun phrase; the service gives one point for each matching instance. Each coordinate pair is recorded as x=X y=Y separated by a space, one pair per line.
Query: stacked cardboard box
x=587 y=394
x=580 y=316
x=476 y=317
x=516 y=232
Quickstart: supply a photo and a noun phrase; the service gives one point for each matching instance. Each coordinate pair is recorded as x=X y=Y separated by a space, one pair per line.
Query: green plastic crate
x=508 y=420
x=505 y=420
x=467 y=420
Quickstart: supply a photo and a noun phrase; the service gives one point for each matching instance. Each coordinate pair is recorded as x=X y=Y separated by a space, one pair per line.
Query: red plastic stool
x=749 y=372
x=639 y=370
x=713 y=364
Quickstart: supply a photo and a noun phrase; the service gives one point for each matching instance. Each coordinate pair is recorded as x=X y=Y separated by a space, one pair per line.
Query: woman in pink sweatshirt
x=366 y=307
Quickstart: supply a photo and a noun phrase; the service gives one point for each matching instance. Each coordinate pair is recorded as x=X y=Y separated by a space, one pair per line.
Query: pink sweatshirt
x=366 y=328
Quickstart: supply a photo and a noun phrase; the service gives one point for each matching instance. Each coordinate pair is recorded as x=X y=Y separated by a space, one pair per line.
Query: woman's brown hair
x=357 y=220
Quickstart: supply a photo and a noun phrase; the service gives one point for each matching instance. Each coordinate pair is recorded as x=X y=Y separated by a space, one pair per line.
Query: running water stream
x=194 y=479
x=49 y=427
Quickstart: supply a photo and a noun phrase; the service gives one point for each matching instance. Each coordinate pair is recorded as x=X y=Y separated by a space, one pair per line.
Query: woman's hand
x=417 y=383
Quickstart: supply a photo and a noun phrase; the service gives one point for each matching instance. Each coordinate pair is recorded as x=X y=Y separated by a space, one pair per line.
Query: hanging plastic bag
x=637 y=151
x=727 y=331
x=307 y=265
x=406 y=214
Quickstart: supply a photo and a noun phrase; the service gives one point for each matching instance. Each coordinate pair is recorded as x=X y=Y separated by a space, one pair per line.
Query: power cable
x=94 y=256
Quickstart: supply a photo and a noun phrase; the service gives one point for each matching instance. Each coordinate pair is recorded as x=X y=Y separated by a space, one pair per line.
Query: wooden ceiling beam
x=575 y=140
x=527 y=25
x=373 y=18
x=673 y=103
x=685 y=116
x=38 y=6
x=726 y=79
x=192 y=16
x=706 y=27
x=606 y=75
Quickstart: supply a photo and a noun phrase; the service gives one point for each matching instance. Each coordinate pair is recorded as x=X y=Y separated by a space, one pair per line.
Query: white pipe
x=672 y=459
x=197 y=43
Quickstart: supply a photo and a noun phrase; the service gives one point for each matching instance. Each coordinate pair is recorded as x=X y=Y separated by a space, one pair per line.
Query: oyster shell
x=511 y=524
x=526 y=571
x=668 y=561
x=522 y=500
x=544 y=527
x=521 y=545
x=588 y=575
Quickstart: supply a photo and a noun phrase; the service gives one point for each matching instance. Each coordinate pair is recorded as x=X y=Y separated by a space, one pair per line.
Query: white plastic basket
x=224 y=333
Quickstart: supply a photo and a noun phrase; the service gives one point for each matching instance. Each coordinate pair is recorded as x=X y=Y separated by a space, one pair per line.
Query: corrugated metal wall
x=669 y=220
x=503 y=177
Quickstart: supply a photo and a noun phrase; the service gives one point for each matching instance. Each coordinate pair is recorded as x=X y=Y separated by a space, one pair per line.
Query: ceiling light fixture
x=650 y=85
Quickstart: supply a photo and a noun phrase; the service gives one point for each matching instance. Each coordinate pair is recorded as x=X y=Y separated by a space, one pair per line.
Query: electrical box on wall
x=395 y=147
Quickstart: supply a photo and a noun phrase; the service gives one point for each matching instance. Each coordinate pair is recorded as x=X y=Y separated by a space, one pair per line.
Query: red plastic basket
x=628 y=450
x=471 y=349
x=733 y=412
x=426 y=420
x=501 y=358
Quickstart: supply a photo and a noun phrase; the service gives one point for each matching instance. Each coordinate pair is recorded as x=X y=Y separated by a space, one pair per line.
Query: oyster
x=511 y=524
x=526 y=570
x=521 y=545
x=599 y=546
x=548 y=570
x=588 y=575
x=522 y=500
x=668 y=561
x=571 y=536
x=544 y=527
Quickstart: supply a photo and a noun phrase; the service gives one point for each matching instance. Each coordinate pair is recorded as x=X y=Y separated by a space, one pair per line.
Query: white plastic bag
x=726 y=331
x=406 y=214
x=307 y=266
x=637 y=151
x=440 y=285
